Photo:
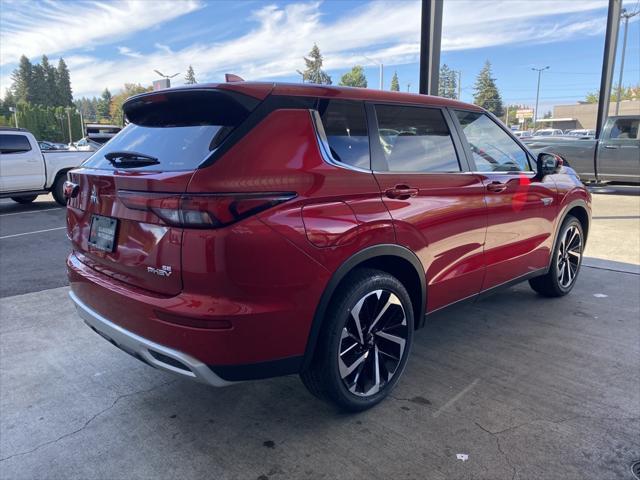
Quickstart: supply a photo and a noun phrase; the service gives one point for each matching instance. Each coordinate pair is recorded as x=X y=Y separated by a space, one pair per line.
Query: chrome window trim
x=323 y=144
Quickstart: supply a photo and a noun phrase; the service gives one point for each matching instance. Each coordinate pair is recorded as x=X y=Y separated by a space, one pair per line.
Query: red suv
x=246 y=230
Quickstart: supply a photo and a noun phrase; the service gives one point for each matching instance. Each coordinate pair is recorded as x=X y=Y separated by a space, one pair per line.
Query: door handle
x=496 y=187
x=611 y=147
x=401 y=192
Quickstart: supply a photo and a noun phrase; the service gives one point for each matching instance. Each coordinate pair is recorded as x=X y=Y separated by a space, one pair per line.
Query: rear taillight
x=202 y=210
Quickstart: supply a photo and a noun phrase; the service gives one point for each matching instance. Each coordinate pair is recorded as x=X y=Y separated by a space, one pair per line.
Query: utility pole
x=535 y=112
x=15 y=114
x=82 y=122
x=68 y=109
x=626 y=15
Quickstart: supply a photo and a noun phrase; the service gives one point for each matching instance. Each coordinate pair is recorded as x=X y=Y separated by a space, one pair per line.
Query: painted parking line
x=31 y=211
x=31 y=233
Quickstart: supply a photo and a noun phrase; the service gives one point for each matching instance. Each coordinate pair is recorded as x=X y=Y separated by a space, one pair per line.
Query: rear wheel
x=58 y=189
x=366 y=339
x=565 y=263
x=24 y=200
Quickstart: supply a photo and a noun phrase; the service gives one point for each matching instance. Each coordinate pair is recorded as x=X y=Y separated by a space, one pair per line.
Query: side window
x=416 y=139
x=625 y=129
x=492 y=148
x=345 y=125
x=14 y=144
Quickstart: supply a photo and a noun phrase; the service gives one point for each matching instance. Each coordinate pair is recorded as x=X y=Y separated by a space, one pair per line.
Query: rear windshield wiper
x=130 y=159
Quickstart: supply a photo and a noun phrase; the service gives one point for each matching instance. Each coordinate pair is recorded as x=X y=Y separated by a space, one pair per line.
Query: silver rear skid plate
x=151 y=353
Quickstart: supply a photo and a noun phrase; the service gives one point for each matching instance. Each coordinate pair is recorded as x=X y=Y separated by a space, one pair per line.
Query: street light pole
x=68 y=109
x=15 y=114
x=381 y=65
x=626 y=15
x=535 y=112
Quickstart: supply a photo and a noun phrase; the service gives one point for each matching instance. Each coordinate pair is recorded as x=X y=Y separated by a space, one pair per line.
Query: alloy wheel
x=569 y=256
x=372 y=343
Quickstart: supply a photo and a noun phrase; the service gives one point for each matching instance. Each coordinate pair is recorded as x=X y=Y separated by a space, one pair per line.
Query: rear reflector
x=202 y=210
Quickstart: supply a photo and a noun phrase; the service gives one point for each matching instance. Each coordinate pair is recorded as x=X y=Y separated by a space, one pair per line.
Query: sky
x=108 y=43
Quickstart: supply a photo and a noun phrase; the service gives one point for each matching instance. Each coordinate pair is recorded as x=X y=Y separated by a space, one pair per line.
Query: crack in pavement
x=86 y=424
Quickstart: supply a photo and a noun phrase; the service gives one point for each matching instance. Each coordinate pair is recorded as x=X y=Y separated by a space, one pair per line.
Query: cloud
x=57 y=26
x=385 y=31
x=127 y=52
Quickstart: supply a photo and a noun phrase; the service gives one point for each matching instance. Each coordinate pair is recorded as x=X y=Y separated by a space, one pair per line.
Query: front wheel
x=365 y=342
x=565 y=263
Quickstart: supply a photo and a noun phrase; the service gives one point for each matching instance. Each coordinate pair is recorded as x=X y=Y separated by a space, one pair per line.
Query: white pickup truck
x=26 y=172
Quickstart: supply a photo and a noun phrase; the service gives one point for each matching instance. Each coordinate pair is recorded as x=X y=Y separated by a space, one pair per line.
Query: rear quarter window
x=345 y=127
x=181 y=128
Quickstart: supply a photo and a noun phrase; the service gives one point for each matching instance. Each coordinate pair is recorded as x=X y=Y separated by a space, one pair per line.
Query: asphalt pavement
x=512 y=387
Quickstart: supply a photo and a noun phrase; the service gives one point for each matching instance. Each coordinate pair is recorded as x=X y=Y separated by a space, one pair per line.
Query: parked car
x=615 y=157
x=247 y=230
x=44 y=145
x=101 y=133
x=582 y=132
x=26 y=171
x=85 y=144
x=548 y=132
x=522 y=133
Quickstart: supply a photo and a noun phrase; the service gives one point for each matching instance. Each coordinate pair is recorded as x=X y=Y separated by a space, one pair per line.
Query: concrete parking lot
x=526 y=387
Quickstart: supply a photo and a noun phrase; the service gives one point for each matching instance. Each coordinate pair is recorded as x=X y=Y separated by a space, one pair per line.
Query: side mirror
x=548 y=163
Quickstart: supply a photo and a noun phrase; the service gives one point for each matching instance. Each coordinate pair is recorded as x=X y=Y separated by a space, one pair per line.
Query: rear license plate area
x=102 y=235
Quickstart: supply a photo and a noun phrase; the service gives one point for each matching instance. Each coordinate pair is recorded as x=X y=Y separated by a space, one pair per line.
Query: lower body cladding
x=149 y=352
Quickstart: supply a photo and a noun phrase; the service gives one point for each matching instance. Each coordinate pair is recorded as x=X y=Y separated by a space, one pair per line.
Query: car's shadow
x=43 y=202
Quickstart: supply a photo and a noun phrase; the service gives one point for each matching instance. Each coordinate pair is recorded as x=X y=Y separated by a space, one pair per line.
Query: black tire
x=24 y=200
x=565 y=261
x=370 y=292
x=58 y=189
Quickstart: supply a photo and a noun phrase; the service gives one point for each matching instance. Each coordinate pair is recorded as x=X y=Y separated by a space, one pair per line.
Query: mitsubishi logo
x=94 y=195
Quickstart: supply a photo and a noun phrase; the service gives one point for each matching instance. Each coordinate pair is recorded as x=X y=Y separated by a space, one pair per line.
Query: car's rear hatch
x=123 y=212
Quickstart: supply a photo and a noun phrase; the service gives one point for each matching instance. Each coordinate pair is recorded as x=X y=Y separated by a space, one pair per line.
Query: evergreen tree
x=38 y=91
x=63 y=85
x=314 y=73
x=447 y=83
x=22 y=80
x=395 y=83
x=50 y=93
x=486 y=92
x=104 y=105
x=190 y=77
x=354 y=78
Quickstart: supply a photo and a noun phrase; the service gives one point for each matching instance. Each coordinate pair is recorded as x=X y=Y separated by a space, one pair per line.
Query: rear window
x=14 y=144
x=181 y=129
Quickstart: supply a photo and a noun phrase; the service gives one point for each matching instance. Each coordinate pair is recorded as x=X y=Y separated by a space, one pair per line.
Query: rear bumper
x=153 y=354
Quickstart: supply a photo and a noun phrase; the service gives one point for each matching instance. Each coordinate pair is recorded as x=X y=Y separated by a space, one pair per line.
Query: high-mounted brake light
x=202 y=210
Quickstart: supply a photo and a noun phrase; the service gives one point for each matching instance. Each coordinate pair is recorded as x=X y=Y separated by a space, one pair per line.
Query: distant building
x=583 y=115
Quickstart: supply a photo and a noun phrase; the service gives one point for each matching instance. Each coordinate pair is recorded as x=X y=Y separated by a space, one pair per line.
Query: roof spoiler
x=231 y=78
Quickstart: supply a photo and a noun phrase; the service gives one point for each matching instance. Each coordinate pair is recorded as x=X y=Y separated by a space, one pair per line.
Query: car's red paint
x=247 y=293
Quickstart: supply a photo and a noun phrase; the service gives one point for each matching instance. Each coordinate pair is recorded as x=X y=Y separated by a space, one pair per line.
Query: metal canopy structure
x=430 y=37
x=608 y=62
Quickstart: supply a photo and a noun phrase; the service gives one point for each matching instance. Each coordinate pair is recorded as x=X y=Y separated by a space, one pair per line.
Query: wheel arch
x=578 y=209
x=398 y=261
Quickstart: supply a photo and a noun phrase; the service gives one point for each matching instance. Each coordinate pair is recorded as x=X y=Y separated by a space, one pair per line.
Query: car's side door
x=521 y=207
x=438 y=209
x=619 y=151
x=21 y=164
